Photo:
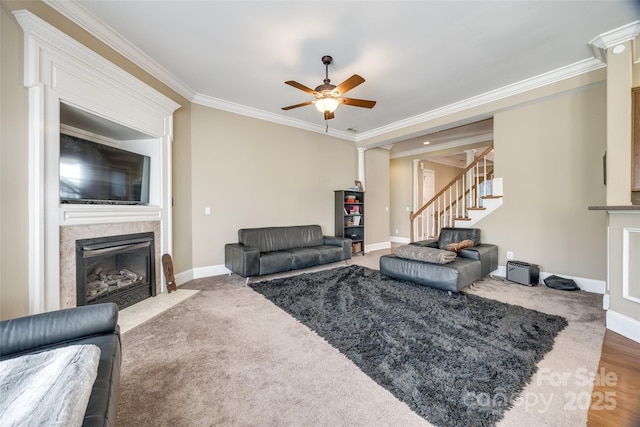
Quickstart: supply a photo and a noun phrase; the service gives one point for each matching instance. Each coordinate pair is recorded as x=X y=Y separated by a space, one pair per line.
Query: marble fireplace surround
x=68 y=237
x=59 y=70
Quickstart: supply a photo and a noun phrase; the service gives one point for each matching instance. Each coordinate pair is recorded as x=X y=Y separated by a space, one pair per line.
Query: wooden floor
x=615 y=400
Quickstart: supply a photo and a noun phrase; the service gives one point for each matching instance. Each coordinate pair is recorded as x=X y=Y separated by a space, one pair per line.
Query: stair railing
x=453 y=202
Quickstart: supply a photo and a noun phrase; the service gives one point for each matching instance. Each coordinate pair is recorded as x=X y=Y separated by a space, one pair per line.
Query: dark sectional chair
x=470 y=265
x=269 y=250
x=91 y=324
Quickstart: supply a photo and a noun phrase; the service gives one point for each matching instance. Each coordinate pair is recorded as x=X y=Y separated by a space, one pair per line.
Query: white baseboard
x=377 y=246
x=184 y=277
x=588 y=285
x=624 y=325
x=200 y=272
x=396 y=239
x=212 y=270
x=585 y=284
x=501 y=271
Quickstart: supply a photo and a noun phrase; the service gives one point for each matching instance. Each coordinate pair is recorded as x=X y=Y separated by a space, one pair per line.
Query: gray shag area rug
x=443 y=355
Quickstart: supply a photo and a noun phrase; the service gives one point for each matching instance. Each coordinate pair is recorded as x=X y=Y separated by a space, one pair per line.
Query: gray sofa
x=470 y=264
x=269 y=250
x=91 y=324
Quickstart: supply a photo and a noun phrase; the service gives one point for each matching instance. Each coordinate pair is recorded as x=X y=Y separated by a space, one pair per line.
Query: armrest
x=241 y=259
x=486 y=253
x=340 y=241
x=430 y=243
x=40 y=330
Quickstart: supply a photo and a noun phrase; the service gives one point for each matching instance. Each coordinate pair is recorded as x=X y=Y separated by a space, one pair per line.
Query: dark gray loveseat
x=91 y=324
x=470 y=264
x=269 y=250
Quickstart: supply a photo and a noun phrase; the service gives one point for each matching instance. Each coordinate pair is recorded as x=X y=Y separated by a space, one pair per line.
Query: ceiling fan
x=328 y=96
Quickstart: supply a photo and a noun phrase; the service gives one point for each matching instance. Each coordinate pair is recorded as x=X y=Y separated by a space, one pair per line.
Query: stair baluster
x=445 y=208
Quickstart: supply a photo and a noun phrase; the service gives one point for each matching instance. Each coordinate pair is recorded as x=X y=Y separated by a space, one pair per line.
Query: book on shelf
x=345 y=211
x=356 y=220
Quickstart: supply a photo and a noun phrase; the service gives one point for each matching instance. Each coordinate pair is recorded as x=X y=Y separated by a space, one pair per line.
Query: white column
x=470 y=156
x=416 y=183
x=361 y=151
x=469 y=180
x=619 y=83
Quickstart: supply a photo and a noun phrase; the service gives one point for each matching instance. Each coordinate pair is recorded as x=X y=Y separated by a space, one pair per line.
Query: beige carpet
x=148 y=308
x=228 y=357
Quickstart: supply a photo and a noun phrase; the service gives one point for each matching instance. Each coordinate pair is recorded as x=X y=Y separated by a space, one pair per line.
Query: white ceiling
x=417 y=57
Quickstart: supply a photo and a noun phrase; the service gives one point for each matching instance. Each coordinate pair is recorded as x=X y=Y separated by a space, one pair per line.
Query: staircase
x=469 y=197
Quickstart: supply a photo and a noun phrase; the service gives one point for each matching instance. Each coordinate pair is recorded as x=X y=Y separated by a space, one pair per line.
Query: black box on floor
x=523 y=273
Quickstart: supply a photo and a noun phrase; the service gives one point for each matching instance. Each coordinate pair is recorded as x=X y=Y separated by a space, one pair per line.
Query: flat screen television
x=96 y=173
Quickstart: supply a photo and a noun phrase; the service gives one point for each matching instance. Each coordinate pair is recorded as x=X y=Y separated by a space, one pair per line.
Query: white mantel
x=58 y=69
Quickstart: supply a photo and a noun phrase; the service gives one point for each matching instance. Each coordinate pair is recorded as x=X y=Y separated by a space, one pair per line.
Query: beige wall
x=182 y=194
x=249 y=172
x=253 y=173
x=443 y=175
x=377 y=197
x=14 y=214
x=401 y=177
x=14 y=209
x=544 y=219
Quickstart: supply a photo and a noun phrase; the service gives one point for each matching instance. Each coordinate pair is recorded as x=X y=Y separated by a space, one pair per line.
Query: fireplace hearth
x=118 y=269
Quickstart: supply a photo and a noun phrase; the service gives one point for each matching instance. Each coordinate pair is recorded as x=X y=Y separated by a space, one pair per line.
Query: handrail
x=467 y=192
x=412 y=215
x=444 y=214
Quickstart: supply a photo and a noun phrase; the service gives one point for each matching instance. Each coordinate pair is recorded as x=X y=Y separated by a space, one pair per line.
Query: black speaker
x=523 y=273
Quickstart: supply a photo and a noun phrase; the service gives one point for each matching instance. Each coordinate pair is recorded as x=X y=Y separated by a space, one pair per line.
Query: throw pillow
x=458 y=246
x=425 y=254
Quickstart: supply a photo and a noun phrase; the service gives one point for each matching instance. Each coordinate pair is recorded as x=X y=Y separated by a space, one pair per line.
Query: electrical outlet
x=509 y=255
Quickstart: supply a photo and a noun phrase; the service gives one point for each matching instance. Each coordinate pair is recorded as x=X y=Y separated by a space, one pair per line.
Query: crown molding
x=80 y=16
x=100 y=30
x=209 y=101
x=444 y=146
x=562 y=73
x=445 y=161
x=104 y=33
x=39 y=34
x=600 y=44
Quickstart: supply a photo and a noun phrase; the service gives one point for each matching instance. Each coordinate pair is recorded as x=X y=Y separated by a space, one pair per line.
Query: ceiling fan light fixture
x=328 y=96
x=327 y=104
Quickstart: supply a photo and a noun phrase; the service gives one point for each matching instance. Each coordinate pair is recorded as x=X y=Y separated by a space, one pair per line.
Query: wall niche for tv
x=105 y=163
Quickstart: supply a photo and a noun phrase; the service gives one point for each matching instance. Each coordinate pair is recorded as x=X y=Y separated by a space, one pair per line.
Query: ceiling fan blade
x=328 y=115
x=358 y=102
x=300 y=86
x=297 y=105
x=349 y=84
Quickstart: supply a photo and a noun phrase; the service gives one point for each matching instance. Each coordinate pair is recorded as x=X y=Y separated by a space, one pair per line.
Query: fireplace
x=118 y=269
